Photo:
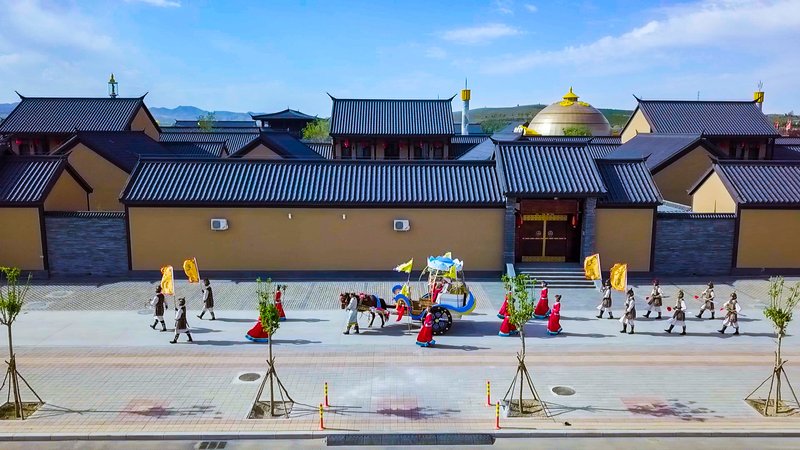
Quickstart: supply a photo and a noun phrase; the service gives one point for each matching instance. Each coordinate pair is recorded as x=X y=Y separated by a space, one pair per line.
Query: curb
x=228 y=436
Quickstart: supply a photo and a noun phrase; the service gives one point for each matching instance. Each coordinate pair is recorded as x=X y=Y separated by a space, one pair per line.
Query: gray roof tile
x=27 y=180
x=233 y=140
x=356 y=117
x=283 y=143
x=768 y=183
x=217 y=123
x=319 y=183
x=323 y=148
x=195 y=149
x=656 y=148
x=711 y=118
x=66 y=115
x=122 y=148
x=286 y=114
x=628 y=182
x=538 y=170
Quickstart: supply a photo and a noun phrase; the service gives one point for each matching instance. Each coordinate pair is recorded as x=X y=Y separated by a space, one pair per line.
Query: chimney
x=758 y=96
x=465 y=94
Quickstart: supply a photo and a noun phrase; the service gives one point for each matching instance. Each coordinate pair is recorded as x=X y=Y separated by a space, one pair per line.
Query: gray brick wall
x=694 y=244
x=589 y=227
x=87 y=243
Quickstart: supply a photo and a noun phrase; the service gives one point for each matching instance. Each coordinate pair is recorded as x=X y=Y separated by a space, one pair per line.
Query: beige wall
x=314 y=239
x=142 y=122
x=21 y=238
x=261 y=152
x=768 y=239
x=67 y=195
x=638 y=124
x=625 y=236
x=713 y=197
x=675 y=180
x=106 y=179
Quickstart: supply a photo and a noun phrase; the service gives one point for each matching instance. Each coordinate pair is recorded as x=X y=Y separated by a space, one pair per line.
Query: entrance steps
x=557 y=275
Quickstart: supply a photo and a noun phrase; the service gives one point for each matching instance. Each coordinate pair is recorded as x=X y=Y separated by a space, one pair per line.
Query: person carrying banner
x=605 y=305
x=159 y=304
x=208 y=300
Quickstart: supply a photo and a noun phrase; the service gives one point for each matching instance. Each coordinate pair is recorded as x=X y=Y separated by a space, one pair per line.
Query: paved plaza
x=87 y=349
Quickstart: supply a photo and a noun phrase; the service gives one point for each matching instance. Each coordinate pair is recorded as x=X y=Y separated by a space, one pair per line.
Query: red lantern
x=19 y=141
x=347 y=143
x=574 y=221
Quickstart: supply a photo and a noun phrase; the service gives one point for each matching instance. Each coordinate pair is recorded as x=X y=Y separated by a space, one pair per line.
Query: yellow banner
x=191 y=271
x=591 y=267
x=619 y=277
x=167 y=281
x=405 y=267
x=451 y=273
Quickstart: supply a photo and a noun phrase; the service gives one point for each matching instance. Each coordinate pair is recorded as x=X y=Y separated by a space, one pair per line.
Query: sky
x=264 y=56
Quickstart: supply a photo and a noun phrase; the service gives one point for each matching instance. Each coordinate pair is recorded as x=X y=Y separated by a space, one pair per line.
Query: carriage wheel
x=442 y=320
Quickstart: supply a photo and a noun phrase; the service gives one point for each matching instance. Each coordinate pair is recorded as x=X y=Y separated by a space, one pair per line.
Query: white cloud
x=160 y=3
x=480 y=34
x=531 y=7
x=504 y=6
x=733 y=25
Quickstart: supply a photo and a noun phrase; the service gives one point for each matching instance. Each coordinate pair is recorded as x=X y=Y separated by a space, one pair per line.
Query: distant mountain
x=168 y=116
x=6 y=108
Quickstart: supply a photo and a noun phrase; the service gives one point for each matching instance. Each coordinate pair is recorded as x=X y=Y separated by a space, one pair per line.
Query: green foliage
x=577 y=130
x=318 y=130
x=520 y=305
x=206 y=122
x=267 y=310
x=12 y=295
x=780 y=308
x=494 y=123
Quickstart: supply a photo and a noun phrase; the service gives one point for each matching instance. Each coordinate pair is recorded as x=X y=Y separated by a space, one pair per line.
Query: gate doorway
x=548 y=231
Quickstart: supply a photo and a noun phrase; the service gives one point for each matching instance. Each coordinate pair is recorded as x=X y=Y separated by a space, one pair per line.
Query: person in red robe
x=554 y=322
x=504 y=309
x=257 y=333
x=542 y=308
x=425 y=336
x=507 y=328
x=400 y=307
x=278 y=303
x=437 y=289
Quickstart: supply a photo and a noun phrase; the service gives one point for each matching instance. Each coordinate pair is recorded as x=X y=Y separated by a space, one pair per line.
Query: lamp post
x=112 y=87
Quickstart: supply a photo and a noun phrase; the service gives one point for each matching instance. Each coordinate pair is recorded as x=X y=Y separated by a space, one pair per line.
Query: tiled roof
x=471 y=139
x=195 y=129
x=319 y=183
x=323 y=148
x=66 y=115
x=711 y=118
x=354 y=117
x=27 y=180
x=557 y=140
x=606 y=140
x=536 y=170
x=481 y=152
x=786 y=152
x=217 y=123
x=656 y=148
x=628 y=182
x=787 y=140
x=286 y=114
x=766 y=183
x=233 y=140
x=122 y=148
x=196 y=149
x=284 y=144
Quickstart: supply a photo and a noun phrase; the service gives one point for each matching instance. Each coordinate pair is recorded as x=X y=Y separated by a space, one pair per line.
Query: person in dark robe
x=208 y=300
x=159 y=305
x=181 y=324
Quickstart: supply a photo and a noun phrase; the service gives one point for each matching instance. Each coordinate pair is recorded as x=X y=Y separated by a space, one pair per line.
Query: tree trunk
x=12 y=375
x=521 y=363
x=778 y=362
x=271 y=380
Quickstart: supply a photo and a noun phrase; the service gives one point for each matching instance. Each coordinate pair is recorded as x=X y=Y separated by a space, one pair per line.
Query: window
x=420 y=150
x=347 y=151
x=752 y=151
x=391 y=151
x=438 y=151
x=365 y=151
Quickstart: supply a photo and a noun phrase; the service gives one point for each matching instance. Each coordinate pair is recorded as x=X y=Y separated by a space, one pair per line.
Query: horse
x=370 y=304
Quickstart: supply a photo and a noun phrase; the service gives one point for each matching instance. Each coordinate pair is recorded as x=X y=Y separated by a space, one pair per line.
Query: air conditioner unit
x=219 y=224
x=401 y=225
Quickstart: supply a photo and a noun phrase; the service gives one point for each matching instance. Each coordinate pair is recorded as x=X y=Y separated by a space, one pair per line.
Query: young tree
x=520 y=311
x=779 y=312
x=206 y=122
x=12 y=299
x=270 y=321
x=318 y=130
x=577 y=130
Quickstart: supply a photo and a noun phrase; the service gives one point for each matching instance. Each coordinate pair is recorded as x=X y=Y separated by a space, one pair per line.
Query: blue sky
x=266 y=55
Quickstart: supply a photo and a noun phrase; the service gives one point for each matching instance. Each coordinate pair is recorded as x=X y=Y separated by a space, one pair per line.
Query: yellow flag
x=448 y=255
x=190 y=268
x=451 y=273
x=619 y=276
x=405 y=267
x=167 y=281
x=405 y=290
x=591 y=267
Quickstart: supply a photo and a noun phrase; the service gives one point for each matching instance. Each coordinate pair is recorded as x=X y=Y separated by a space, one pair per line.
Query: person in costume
x=654 y=302
x=679 y=316
x=159 y=304
x=181 y=324
x=554 y=321
x=425 y=336
x=437 y=289
x=507 y=328
x=504 y=309
x=352 y=314
x=605 y=305
x=629 y=316
x=278 y=304
x=208 y=300
x=400 y=307
x=542 y=307
x=257 y=333
x=732 y=310
x=708 y=301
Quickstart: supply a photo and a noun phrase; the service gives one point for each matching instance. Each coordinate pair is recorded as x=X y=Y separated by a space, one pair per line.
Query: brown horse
x=369 y=304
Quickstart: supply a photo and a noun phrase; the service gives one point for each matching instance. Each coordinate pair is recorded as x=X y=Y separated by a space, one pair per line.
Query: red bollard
x=496 y=416
x=488 y=393
x=326 y=395
x=322 y=423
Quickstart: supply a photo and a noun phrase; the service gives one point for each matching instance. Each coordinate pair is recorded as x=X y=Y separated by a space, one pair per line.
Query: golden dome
x=552 y=120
